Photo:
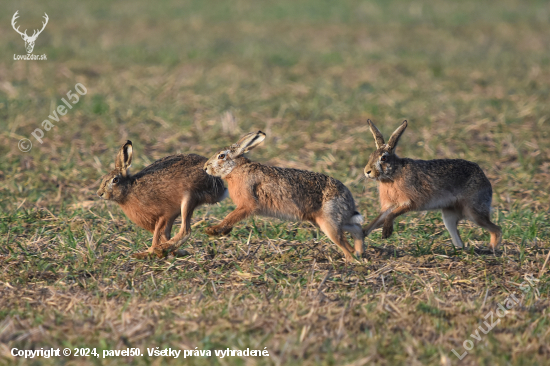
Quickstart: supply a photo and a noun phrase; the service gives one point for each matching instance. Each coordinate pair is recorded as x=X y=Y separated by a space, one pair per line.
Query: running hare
x=459 y=188
x=155 y=197
x=290 y=194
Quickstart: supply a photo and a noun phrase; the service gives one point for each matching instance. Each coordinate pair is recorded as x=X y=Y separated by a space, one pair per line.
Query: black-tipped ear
x=124 y=157
x=394 y=139
x=378 y=138
x=247 y=142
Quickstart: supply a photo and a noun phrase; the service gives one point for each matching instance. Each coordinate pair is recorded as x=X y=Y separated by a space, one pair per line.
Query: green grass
x=471 y=77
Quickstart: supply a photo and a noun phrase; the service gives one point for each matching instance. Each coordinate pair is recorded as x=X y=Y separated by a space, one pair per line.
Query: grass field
x=471 y=77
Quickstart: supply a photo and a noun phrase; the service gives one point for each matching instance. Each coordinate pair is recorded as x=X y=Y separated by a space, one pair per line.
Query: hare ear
x=396 y=135
x=378 y=138
x=124 y=157
x=247 y=142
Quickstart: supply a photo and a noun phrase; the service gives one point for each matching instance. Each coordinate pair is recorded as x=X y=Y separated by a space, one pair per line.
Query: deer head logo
x=29 y=41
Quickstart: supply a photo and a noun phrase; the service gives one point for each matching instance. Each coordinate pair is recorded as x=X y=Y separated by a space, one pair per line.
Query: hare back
x=288 y=193
x=169 y=178
x=173 y=164
x=434 y=184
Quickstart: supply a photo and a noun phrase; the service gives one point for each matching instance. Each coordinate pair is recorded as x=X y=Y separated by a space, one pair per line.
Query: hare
x=290 y=194
x=155 y=197
x=457 y=187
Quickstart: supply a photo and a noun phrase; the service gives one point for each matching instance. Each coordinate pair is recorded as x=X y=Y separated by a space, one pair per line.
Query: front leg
x=188 y=206
x=225 y=227
x=160 y=234
x=376 y=223
x=387 y=230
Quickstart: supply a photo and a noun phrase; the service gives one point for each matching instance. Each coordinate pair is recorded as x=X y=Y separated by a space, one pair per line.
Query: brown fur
x=458 y=187
x=156 y=196
x=290 y=194
x=395 y=194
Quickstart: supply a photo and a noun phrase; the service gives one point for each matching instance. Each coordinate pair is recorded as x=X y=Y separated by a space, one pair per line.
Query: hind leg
x=358 y=238
x=451 y=217
x=482 y=219
x=336 y=235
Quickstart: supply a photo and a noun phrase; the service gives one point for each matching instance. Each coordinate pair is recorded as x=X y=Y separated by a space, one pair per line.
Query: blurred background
x=472 y=78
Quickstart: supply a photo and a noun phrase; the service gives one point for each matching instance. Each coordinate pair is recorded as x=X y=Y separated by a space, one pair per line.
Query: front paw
x=162 y=252
x=212 y=231
x=217 y=231
x=387 y=231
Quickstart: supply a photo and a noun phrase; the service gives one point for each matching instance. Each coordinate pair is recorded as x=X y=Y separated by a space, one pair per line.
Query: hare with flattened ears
x=457 y=187
x=289 y=194
x=157 y=195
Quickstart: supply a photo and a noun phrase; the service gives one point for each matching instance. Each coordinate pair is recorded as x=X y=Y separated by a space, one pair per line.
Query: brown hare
x=458 y=188
x=157 y=195
x=289 y=194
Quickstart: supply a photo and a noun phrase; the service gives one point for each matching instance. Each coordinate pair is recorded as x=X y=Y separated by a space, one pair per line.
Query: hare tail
x=357 y=218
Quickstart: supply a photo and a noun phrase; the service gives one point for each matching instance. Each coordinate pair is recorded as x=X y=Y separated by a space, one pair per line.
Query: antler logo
x=29 y=41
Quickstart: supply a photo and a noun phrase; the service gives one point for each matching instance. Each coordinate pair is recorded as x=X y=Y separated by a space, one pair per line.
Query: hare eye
x=221 y=156
x=115 y=180
x=383 y=158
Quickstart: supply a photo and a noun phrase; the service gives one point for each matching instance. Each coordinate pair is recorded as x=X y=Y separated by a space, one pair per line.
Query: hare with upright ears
x=157 y=195
x=290 y=194
x=457 y=187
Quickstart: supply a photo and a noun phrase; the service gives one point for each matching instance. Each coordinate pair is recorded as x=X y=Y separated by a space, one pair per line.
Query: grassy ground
x=471 y=77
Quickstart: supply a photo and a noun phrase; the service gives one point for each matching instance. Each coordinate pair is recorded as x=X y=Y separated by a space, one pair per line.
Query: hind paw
x=143 y=255
x=180 y=253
